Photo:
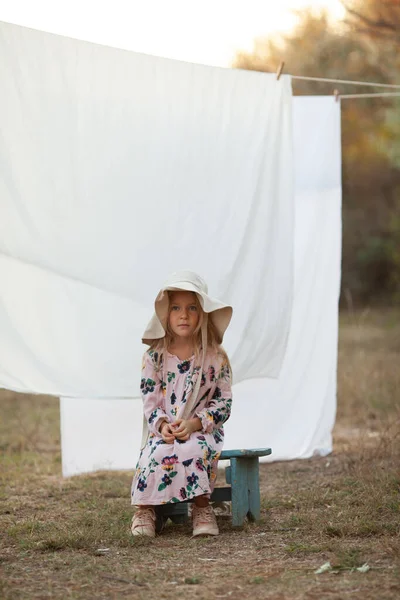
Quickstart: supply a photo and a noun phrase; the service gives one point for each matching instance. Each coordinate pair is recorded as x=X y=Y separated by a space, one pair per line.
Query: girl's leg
x=202 y=501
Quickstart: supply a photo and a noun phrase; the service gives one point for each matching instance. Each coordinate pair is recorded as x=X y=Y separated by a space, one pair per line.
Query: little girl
x=186 y=391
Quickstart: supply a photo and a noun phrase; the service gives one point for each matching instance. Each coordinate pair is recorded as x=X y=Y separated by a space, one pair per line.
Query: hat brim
x=219 y=313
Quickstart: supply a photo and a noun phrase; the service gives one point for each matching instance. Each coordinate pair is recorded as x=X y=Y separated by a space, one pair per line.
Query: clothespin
x=336 y=94
x=279 y=71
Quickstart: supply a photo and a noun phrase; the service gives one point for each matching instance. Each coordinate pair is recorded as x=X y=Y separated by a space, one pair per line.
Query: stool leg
x=253 y=481
x=240 y=493
x=177 y=512
x=180 y=519
x=160 y=522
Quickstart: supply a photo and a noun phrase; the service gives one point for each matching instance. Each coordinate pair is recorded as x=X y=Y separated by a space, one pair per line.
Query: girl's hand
x=183 y=428
x=166 y=432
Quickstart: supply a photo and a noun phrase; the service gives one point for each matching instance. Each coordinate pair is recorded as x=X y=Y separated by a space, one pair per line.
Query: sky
x=201 y=31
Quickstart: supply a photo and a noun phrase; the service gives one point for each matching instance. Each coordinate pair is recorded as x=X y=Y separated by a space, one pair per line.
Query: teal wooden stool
x=243 y=490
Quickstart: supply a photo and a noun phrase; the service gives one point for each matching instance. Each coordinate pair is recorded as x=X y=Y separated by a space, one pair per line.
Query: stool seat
x=227 y=454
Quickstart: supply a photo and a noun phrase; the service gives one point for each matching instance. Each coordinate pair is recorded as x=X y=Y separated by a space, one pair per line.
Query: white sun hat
x=218 y=312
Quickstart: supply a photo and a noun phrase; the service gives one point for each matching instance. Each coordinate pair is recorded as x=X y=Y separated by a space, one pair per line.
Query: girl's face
x=183 y=314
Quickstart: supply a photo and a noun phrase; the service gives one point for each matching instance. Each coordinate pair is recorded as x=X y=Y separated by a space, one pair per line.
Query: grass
x=70 y=538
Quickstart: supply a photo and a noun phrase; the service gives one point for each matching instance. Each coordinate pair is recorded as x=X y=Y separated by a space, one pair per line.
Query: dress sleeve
x=218 y=409
x=152 y=396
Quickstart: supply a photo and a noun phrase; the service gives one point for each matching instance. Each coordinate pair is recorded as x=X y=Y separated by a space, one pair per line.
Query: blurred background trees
x=364 y=47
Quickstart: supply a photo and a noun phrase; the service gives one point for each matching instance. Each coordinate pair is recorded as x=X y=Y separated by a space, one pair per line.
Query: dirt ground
x=70 y=538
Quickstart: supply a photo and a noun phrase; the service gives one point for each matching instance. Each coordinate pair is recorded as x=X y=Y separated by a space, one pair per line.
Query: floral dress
x=179 y=471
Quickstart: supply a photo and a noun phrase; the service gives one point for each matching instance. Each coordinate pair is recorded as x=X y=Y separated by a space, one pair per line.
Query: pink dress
x=179 y=471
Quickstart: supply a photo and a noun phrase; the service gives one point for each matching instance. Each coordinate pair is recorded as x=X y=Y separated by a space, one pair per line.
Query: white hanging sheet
x=118 y=168
x=294 y=414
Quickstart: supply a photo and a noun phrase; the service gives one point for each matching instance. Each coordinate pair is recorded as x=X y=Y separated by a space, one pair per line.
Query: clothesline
x=384 y=95
x=346 y=81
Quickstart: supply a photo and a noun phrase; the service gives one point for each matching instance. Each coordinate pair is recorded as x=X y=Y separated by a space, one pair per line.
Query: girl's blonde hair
x=162 y=344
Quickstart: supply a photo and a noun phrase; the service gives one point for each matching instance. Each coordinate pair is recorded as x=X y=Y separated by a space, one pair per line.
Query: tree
x=319 y=48
x=376 y=18
x=378 y=21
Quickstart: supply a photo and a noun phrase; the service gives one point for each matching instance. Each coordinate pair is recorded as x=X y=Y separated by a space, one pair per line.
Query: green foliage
x=394 y=245
x=393 y=125
x=365 y=47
